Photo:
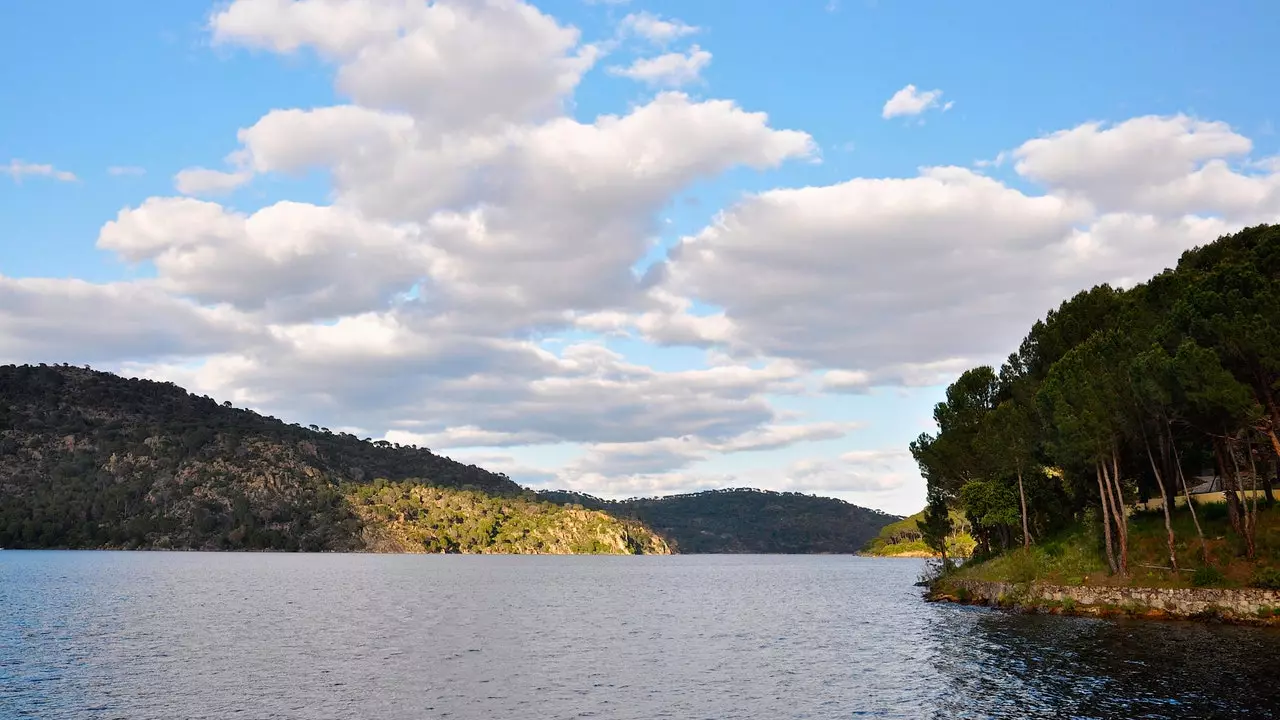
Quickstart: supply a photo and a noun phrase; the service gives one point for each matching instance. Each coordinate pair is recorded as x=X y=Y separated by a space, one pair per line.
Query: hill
x=743 y=520
x=904 y=539
x=91 y=460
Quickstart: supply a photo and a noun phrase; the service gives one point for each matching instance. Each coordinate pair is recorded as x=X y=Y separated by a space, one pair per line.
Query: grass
x=1076 y=556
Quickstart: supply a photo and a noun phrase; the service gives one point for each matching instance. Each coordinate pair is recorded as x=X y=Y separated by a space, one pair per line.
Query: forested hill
x=90 y=459
x=746 y=521
x=1119 y=396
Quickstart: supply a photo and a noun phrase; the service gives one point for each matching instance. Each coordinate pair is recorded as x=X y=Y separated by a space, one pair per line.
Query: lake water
x=194 y=635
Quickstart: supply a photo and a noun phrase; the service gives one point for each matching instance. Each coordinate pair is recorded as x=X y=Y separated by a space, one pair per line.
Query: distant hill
x=744 y=520
x=90 y=460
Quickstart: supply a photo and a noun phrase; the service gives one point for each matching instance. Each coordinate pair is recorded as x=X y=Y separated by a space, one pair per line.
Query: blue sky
x=897 y=285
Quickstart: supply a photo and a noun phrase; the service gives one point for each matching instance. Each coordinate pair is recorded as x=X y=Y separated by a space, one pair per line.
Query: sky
x=621 y=247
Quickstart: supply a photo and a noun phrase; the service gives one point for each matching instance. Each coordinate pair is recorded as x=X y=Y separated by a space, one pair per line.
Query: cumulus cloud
x=910 y=101
x=57 y=320
x=1165 y=166
x=292 y=261
x=473 y=220
x=202 y=181
x=450 y=63
x=906 y=281
x=668 y=70
x=668 y=454
x=654 y=28
x=19 y=169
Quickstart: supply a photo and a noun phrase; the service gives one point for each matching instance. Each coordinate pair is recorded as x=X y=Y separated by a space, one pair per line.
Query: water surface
x=195 y=635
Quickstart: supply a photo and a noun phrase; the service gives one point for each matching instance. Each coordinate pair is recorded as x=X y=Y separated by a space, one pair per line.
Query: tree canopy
x=1118 y=395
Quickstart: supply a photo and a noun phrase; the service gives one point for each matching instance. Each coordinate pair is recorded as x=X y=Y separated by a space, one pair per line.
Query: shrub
x=1022 y=567
x=1212 y=512
x=1207 y=576
x=1266 y=578
x=1053 y=549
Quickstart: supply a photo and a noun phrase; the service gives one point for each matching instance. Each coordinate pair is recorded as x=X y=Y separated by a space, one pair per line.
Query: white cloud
x=1167 y=166
x=19 y=169
x=654 y=28
x=908 y=281
x=202 y=181
x=884 y=272
x=452 y=63
x=125 y=170
x=910 y=101
x=56 y=320
x=473 y=221
x=291 y=261
x=668 y=70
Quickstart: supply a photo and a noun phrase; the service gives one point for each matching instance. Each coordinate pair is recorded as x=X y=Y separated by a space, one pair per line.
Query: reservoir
x=89 y=635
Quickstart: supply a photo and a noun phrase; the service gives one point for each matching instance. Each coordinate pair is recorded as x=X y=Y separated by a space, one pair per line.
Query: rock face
x=1232 y=605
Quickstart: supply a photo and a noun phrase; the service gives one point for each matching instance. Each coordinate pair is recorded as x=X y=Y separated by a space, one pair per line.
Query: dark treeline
x=1117 y=396
x=745 y=520
x=91 y=459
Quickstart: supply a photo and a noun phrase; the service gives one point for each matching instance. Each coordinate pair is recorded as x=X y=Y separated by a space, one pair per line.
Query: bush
x=1022 y=567
x=1053 y=549
x=1266 y=578
x=1207 y=576
x=1212 y=512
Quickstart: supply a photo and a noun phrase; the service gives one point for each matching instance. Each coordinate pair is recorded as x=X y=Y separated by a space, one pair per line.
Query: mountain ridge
x=90 y=459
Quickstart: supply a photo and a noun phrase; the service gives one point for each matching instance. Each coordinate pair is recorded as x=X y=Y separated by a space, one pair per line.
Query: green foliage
x=935 y=526
x=741 y=520
x=411 y=517
x=1169 y=379
x=1207 y=576
x=1266 y=578
x=904 y=538
x=90 y=460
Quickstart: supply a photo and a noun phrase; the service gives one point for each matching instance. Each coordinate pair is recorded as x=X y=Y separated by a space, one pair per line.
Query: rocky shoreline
x=1237 y=606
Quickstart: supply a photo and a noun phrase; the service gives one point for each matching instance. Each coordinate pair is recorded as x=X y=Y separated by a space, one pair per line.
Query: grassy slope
x=1076 y=557
x=410 y=517
x=902 y=539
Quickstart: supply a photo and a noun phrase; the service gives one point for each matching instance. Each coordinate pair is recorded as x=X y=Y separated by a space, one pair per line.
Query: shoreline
x=1237 y=606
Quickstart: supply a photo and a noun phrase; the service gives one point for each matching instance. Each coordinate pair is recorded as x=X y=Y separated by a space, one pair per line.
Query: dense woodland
x=93 y=460
x=1122 y=395
x=89 y=459
x=743 y=520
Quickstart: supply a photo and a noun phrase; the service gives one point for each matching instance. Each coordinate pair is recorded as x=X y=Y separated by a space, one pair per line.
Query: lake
x=205 y=635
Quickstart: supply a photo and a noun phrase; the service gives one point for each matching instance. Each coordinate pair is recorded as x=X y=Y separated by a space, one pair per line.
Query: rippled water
x=193 y=635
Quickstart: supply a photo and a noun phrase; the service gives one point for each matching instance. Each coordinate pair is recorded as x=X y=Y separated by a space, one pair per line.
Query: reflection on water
x=1005 y=665
x=192 y=635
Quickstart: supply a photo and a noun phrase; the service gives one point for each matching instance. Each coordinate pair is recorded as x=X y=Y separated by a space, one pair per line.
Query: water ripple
x=192 y=635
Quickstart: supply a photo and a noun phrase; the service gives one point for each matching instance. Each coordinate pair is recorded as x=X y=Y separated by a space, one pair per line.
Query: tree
x=1009 y=436
x=935 y=526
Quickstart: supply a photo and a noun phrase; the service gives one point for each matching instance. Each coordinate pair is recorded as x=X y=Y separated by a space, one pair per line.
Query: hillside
x=746 y=520
x=89 y=460
x=904 y=539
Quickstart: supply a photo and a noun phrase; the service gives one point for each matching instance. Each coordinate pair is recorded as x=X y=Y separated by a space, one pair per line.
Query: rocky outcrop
x=1242 y=605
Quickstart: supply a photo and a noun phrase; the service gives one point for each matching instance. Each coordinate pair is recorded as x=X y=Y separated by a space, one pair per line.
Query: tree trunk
x=1251 y=508
x=1267 y=485
x=1168 y=524
x=1106 y=519
x=1022 y=495
x=1191 y=506
x=1120 y=514
x=1230 y=488
x=1166 y=463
